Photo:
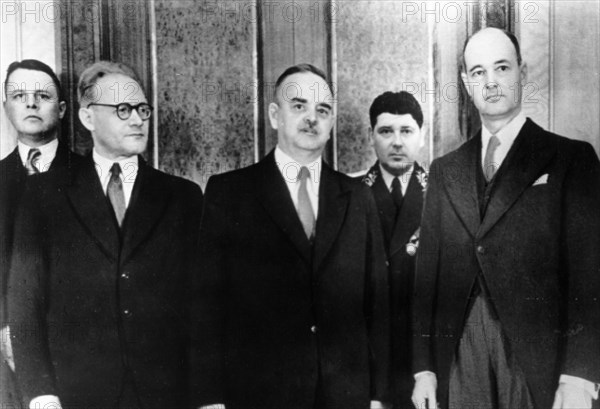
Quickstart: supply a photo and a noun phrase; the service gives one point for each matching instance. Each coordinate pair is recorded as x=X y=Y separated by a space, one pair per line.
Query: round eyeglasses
x=124 y=110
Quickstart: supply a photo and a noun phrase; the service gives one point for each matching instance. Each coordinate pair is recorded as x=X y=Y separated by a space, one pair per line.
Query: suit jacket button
x=126 y=312
x=480 y=249
x=125 y=276
x=387 y=263
x=313 y=329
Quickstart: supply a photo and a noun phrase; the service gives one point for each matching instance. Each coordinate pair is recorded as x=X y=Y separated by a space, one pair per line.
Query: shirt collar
x=507 y=134
x=47 y=151
x=103 y=164
x=404 y=178
x=290 y=168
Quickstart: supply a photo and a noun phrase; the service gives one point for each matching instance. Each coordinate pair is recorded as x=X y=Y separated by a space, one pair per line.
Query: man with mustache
x=506 y=311
x=101 y=272
x=398 y=184
x=293 y=309
x=34 y=106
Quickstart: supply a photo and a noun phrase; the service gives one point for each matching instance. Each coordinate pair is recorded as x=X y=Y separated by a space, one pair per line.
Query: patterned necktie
x=305 y=211
x=115 y=193
x=33 y=157
x=397 y=193
x=489 y=166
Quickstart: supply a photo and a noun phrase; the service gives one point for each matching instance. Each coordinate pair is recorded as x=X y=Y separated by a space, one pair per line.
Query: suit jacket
x=398 y=230
x=537 y=248
x=281 y=323
x=13 y=176
x=12 y=184
x=92 y=303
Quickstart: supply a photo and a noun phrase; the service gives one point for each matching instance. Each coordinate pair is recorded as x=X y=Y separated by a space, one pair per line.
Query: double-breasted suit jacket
x=92 y=303
x=536 y=247
x=13 y=177
x=401 y=232
x=283 y=323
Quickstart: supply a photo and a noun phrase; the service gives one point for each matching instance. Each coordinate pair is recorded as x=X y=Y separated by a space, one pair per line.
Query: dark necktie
x=305 y=211
x=33 y=158
x=115 y=193
x=397 y=193
x=489 y=166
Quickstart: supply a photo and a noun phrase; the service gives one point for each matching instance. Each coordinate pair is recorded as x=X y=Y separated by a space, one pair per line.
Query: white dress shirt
x=506 y=136
x=290 y=169
x=404 y=178
x=47 y=151
x=129 y=170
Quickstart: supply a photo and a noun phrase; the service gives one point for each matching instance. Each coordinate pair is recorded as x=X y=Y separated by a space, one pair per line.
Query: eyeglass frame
x=128 y=105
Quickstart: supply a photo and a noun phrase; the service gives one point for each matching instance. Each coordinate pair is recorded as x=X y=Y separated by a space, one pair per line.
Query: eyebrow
x=300 y=100
x=502 y=61
x=323 y=104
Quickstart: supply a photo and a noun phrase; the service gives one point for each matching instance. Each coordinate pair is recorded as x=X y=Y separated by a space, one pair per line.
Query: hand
x=423 y=396
x=571 y=397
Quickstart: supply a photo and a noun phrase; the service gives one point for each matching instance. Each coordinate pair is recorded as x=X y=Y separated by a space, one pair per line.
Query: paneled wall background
x=209 y=67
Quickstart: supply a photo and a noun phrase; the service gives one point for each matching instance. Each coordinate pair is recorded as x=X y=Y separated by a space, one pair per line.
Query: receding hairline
x=510 y=36
x=286 y=80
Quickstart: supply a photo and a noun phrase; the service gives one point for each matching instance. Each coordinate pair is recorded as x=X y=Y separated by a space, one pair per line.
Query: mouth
x=493 y=98
x=136 y=135
x=309 y=131
x=37 y=118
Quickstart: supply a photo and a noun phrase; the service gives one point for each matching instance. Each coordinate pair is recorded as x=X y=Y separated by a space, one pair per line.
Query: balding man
x=506 y=309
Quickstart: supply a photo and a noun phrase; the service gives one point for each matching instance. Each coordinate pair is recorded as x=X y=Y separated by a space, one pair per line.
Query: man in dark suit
x=99 y=285
x=293 y=310
x=398 y=183
x=506 y=308
x=34 y=106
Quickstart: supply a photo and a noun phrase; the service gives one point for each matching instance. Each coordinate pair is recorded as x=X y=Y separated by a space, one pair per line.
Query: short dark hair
x=511 y=37
x=34 y=65
x=397 y=103
x=295 y=69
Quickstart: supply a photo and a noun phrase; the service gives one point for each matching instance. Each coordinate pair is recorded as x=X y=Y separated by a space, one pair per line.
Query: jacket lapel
x=527 y=158
x=92 y=208
x=409 y=219
x=459 y=179
x=333 y=202
x=149 y=200
x=275 y=197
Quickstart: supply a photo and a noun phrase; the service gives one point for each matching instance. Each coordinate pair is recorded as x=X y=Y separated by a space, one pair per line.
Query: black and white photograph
x=300 y=204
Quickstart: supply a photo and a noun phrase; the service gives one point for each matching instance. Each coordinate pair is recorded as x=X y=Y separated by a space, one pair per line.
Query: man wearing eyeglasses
x=34 y=106
x=102 y=264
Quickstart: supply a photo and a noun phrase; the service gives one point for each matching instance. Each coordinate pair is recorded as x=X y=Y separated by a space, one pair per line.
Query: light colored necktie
x=33 y=158
x=489 y=166
x=305 y=211
x=115 y=193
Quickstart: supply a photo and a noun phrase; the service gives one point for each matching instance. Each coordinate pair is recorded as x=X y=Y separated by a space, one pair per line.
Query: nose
x=397 y=140
x=311 y=117
x=135 y=118
x=31 y=100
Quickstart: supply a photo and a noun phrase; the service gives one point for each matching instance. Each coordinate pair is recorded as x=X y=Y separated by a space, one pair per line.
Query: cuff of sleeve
x=589 y=387
x=45 y=402
x=418 y=374
x=214 y=406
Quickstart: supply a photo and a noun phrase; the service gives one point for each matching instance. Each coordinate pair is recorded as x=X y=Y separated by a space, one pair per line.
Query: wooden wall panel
x=97 y=30
x=533 y=31
x=206 y=85
x=576 y=70
x=290 y=33
x=380 y=48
